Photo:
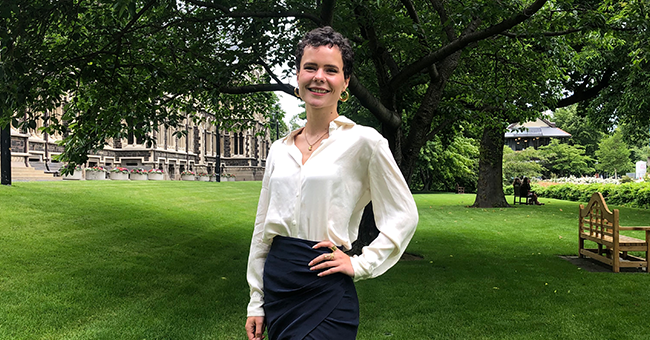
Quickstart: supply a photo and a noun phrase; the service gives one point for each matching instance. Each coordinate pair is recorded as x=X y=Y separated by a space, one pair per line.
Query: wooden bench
x=518 y=197
x=459 y=189
x=600 y=225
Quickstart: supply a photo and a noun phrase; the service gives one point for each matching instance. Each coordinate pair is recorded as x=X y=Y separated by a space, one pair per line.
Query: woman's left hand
x=334 y=262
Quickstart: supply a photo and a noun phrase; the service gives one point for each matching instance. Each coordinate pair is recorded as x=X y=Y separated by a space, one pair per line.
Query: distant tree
x=276 y=125
x=564 y=160
x=524 y=163
x=278 y=131
x=637 y=136
x=296 y=122
x=640 y=154
x=441 y=166
x=614 y=155
x=583 y=131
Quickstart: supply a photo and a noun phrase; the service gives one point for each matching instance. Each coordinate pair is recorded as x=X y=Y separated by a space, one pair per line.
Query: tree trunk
x=5 y=155
x=489 y=192
x=367 y=231
x=406 y=148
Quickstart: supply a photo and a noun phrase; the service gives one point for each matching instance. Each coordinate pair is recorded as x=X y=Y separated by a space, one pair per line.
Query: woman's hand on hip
x=255 y=327
x=334 y=262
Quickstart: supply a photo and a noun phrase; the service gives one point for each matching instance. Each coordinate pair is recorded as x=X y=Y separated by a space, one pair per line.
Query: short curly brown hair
x=327 y=36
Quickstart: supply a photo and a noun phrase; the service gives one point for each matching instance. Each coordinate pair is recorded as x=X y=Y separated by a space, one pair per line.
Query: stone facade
x=241 y=154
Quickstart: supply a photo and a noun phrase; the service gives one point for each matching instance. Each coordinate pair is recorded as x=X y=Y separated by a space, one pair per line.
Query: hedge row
x=626 y=194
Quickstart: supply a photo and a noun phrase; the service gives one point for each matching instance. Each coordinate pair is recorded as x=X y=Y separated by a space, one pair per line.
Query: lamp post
x=217 y=163
x=5 y=155
x=277 y=126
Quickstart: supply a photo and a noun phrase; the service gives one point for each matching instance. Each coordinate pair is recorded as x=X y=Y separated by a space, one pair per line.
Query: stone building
x=204 y=149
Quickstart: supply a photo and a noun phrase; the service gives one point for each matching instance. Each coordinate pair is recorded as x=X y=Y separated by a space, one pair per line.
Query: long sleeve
x=395 y=214
x=259 y=249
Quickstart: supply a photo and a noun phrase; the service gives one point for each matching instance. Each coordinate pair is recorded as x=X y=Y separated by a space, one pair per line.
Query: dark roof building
x=536 y=133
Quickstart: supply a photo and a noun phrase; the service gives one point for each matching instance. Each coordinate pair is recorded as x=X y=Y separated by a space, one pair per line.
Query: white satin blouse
x=324 y=200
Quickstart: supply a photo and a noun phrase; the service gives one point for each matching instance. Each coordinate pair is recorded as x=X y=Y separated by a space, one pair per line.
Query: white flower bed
x=583 y=180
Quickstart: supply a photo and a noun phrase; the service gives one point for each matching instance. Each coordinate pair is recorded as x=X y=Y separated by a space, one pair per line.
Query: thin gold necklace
x=319 y=138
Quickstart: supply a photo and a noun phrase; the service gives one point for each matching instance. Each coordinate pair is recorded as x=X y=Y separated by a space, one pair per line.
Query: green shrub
x=627 y=194
x=643 y=197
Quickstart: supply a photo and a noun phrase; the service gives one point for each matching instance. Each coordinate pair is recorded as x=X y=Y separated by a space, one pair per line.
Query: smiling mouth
x=318 y=90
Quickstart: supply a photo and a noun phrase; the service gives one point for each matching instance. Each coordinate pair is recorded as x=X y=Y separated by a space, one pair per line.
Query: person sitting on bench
x=525 y=191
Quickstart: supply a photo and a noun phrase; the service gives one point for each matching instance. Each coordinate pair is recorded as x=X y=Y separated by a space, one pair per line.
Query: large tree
x=120 y=67
x=614 y=155
x=153 y=62
x=134 y=60
x=570 y=60
x=582 y=130
x=563 y=160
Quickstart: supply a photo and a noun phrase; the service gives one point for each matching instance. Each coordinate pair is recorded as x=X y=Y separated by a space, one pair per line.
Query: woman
x=316 y=184
x=525 y=191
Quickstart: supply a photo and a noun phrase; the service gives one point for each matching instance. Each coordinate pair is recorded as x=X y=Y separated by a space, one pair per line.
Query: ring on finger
x=331 y=257
x=334 y=248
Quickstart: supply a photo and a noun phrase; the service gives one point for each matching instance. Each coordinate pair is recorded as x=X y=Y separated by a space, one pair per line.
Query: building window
x=238 y=143
x=241 y=143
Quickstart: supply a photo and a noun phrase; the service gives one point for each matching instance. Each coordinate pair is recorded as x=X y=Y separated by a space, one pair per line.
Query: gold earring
x=345 y=95
x=295 y=91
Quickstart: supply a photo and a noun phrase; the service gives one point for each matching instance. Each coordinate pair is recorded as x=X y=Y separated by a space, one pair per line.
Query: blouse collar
x=338 y=122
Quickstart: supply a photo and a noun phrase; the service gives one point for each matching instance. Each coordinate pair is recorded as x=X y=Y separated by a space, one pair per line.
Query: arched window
x=235 y=144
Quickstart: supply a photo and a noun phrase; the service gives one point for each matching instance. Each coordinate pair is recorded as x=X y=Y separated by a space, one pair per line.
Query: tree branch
x=256 y=88
x=118 y=37
x=272 y=14
x=327 y=12
x=444 y=19
x=592 y=92
x=462 y=42
x=369 y=101
x=268 y=70
x=382 y=61
x=546 y=34
x=413 y=14
x=441 y=126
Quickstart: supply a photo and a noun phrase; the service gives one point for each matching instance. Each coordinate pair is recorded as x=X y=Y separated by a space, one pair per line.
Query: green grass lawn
x=167 y=260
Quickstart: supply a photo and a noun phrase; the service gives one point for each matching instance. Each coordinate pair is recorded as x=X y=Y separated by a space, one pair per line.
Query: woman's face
x=320 y=78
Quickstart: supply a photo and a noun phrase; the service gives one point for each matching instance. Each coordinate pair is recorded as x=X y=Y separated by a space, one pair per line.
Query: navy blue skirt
x=300 y=305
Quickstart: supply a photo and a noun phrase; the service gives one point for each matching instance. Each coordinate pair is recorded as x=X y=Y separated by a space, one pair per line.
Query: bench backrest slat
x=597 y=220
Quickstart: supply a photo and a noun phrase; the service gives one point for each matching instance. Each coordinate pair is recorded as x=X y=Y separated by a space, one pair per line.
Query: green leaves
x=442 y=165
x=520 y=164
x=614 y=155
x=563 y=160
x=582 y=130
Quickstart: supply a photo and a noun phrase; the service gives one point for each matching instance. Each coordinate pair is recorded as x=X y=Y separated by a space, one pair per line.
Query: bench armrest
x=634 y=228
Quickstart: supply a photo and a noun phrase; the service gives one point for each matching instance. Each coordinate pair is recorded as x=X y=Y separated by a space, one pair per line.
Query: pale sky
x=289 y=103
